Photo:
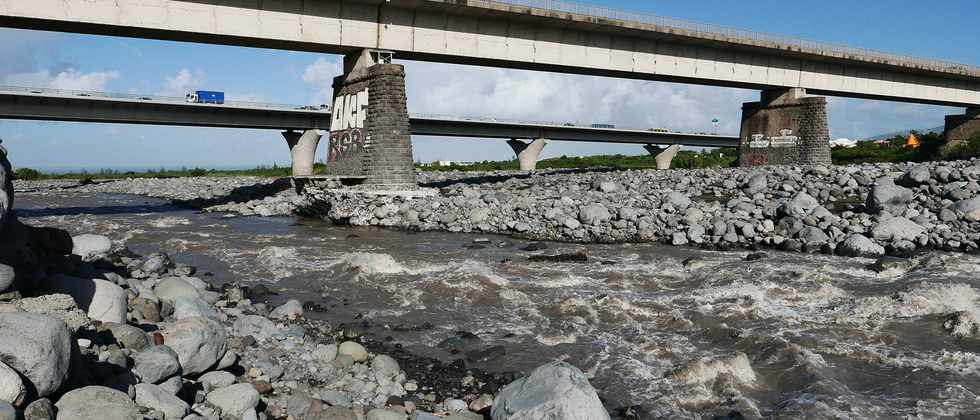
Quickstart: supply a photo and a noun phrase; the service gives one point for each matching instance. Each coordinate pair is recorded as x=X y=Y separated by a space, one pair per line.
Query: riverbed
x=680 y=332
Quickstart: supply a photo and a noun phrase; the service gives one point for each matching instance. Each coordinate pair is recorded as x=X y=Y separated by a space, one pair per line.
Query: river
x=683 y=332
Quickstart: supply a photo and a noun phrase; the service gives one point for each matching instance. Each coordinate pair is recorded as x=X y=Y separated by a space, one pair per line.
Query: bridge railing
x=724 y=33
x=149 y=98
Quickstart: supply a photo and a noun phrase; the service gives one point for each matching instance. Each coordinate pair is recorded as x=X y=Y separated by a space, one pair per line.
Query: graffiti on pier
x=784 y=139
x=347 y=126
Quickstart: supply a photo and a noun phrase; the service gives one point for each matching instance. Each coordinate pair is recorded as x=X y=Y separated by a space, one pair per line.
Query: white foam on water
x=378 y=263
x=923 y=299
x=169 y=222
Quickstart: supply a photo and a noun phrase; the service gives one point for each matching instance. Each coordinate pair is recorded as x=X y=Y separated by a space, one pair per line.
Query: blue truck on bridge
x=206 y=97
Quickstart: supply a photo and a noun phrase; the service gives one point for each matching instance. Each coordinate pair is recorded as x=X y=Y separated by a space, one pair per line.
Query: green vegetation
x=894 y=151
x=273 y=171
x=684 y=159
x=27 y=174
x=966 y=150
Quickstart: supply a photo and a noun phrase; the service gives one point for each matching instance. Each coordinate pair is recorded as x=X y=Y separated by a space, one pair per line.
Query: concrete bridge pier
x=787 y=127
x=959 y=128
x=302 y=147
x=528 y=153
x=370 y=137
x=663 y=156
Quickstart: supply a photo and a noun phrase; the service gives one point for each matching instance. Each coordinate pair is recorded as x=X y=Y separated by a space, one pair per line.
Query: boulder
x=215 y=380
x=970 y=209
x=235 y=400
x=593 y=214
x=7 y=276
x=354 y=350
x=189 y=307
x=756 y=184
x=799 y=205
x=127 y=336
x=259 y=327
x=96 y=402
x=38 y=347
x=171 y=288
x=41 y=409
x=897 y=229
x=678 y=200
x=6 y=189
x=7 y=411
x=556 y=390
x=292 y=309
x=199 y=343
x=886 y=196
x=858 y=245
x=385 y=366
x=12 y=389
x=157 y=398
x=60 y=306
x=915 y=176
x=89 y=246
x=156 y=364
x=101 y=299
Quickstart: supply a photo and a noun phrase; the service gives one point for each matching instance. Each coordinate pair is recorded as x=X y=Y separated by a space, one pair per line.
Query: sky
x=88 y=62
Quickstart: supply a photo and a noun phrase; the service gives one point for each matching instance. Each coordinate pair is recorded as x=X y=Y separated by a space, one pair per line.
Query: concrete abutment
x=528 y=153
x=663 y=156
x=302 y=148
x=370 y=137
x=959 y=128
x=786 y=127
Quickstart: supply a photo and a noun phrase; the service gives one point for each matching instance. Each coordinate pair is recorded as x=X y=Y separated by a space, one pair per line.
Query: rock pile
x=862 y=210
x=91 y=330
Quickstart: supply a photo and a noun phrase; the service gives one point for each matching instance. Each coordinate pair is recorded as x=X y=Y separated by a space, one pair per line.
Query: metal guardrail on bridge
x=148 y=98
x=711 y=31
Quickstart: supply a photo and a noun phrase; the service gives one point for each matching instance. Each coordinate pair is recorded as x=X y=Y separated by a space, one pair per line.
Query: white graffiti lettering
x=349 y=111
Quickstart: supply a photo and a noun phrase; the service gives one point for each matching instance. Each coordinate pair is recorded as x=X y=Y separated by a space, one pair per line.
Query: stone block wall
x=379 y=149
x=959 y=128
x=785 y=128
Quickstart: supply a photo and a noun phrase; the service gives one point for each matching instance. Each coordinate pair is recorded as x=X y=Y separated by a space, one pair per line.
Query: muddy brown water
x=822 y=336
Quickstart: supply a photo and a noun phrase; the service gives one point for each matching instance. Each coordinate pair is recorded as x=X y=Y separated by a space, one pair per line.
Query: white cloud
x=69 y=79
x=319 y=76
x=183 y=82
x=539 y=96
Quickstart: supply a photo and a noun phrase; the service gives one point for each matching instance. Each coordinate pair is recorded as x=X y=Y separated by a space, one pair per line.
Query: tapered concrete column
x=663 y=156
x=959 y=128
x=528 y=153
x=302 y=147
x=787 y=127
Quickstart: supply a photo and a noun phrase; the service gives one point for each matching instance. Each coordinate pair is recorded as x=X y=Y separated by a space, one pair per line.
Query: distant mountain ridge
x=904 y=133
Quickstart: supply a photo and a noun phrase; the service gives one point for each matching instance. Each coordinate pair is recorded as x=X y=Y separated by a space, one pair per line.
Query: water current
x=686 y=333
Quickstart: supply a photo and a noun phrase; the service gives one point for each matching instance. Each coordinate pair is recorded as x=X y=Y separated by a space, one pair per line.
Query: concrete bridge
x=26 y=103
x=786 y=126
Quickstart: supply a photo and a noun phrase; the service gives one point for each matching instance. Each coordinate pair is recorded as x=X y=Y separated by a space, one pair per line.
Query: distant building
x=843 y=142
x=444 y=163
x=913 y=142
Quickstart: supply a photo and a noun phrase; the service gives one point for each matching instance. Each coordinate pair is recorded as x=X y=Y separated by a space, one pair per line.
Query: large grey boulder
x=756 y=184
x=7 y=411
x=199 y=343
x=594 y=214
x=157 y=398
x=235 y=400
x=89 y=246
x=678 y=200
x=12 y=388
x=556 y=390
x=897 y=229
x=799 y=205
x=38 y=347
x=886 y=196
x=156 y=364
x=915 y=176
x=858 y=245
x=101 y=299
x=96 y=402
x=970 y=209
x=172 y=288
